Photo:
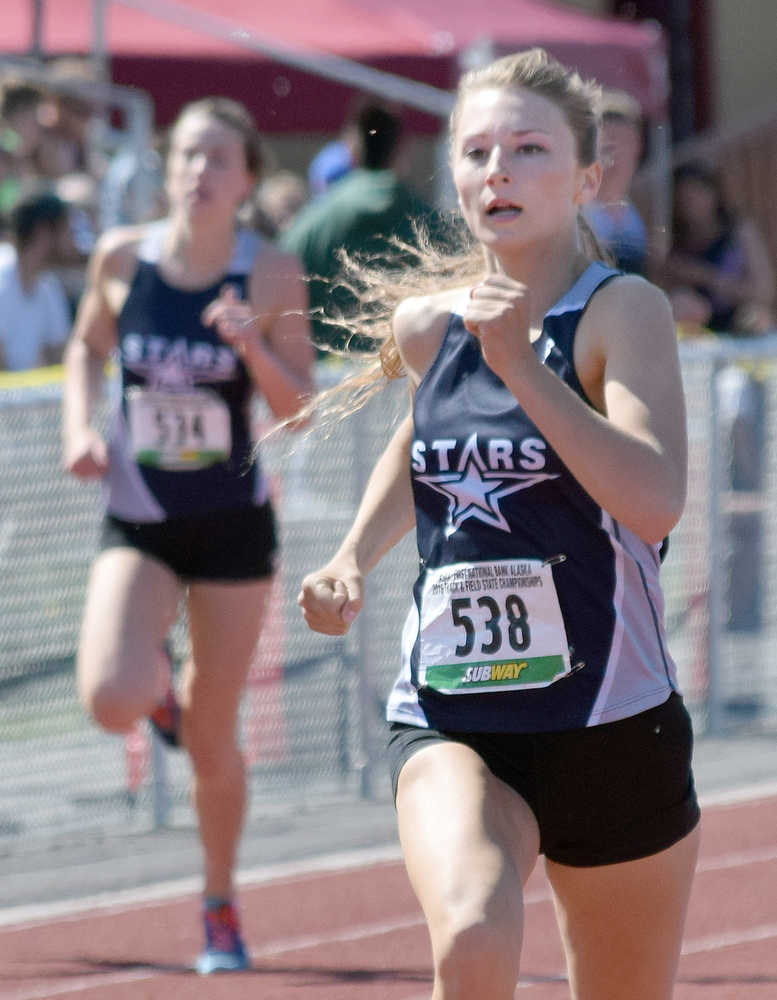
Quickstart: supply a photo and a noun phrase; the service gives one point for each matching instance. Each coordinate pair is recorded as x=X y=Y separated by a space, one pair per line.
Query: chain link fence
x=312 y=716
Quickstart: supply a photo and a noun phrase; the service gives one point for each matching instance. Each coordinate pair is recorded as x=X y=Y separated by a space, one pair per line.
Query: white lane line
x=714 y=942
x=14 y=918
x=271 y=949
x=77 y=985
x=738 y=859
x=739 y=796
x=145 y=896
x=108 y=904
x=362 y=932
x=523 y=984
x=283 y=947
x=367 y=930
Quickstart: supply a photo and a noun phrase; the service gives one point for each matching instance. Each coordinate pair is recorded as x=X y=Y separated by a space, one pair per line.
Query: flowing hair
x=455 y=259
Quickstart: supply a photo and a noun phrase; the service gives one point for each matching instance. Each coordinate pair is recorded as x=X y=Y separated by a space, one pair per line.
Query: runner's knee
x=478 y=957
x=212 y=754
x=113 y=707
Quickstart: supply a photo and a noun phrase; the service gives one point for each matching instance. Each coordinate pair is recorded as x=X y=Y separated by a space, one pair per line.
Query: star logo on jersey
x=177 y=364
x=475 y=491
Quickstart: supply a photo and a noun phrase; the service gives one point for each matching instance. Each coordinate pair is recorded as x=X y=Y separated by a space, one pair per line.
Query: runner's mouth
x=503 y=208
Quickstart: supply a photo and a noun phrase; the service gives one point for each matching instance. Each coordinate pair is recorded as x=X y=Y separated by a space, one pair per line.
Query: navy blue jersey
x=534 y=610
x=180 y=441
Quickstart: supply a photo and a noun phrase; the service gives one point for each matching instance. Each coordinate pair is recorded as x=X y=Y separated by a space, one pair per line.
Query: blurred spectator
x=68 y=117
x=720 y=278
x=34 y=317
x=360 y=214
x=132 y=188
x=331 y=162
x=718 y=271
x=336 y=158
x=19 y=138
x=615 y=221
x=79 y=193
x=278 y=200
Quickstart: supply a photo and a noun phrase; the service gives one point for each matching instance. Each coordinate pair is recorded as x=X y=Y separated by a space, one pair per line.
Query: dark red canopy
x=244 y=54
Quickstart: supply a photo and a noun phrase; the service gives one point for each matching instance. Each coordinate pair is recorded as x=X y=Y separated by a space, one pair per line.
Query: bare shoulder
x=627 y=333
x=626 y=306
x=627 y=291
x=628 y=319
x=111 y=269
x=419 y=325
x=116 y=252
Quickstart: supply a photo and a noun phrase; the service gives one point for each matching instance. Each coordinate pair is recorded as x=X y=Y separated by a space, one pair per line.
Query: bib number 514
x=178 y=428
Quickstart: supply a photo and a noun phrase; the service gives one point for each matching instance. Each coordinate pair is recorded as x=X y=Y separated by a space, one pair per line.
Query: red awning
x=420 y=39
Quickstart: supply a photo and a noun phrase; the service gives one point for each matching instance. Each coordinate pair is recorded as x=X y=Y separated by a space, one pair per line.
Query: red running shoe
x=166 y=717
x=224 y=950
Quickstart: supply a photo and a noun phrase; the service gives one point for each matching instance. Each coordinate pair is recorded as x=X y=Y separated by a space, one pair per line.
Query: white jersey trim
x=403 y=705
x=245 y=247
x=579 y=295
x=600 y=705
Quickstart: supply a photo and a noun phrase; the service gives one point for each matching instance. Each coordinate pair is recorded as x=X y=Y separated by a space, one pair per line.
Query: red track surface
x=358 y=933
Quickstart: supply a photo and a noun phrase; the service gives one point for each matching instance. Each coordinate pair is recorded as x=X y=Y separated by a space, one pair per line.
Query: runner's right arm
x=332 y=596
x=90 y=345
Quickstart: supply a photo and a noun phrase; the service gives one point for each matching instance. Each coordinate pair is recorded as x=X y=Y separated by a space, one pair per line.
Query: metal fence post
x=160 y=792
x=715 y=556
x=361 y=662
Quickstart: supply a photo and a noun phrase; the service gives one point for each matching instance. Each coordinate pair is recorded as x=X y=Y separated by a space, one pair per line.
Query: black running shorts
x=235 y=544
x=601 y=795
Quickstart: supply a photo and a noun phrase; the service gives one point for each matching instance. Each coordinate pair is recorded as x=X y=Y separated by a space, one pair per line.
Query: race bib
x=178 y=430
x=491 y=626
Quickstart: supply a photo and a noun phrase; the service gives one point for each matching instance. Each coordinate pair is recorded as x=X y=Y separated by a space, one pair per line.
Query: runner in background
x=543 y=462
x=202 y=315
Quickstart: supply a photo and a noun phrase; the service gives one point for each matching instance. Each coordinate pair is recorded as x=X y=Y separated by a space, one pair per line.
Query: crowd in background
x=54 y=171
x=62 y=183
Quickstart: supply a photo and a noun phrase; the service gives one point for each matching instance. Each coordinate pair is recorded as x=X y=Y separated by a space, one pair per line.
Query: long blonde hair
x=457 y=260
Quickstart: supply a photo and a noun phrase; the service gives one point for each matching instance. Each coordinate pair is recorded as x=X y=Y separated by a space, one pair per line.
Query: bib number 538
x=510 y=622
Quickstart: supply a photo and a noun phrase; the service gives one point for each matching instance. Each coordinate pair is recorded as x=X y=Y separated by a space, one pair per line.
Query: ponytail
x=592 y=247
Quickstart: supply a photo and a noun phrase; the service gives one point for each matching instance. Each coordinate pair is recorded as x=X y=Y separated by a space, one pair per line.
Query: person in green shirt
x=361 y=214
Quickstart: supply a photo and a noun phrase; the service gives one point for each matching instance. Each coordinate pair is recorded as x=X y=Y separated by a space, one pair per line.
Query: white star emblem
x=475 y=492
x=173 y=365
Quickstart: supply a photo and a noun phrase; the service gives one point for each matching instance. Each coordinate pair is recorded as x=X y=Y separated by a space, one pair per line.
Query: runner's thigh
x=131 y=604
x=622 y=924
x=469 y=840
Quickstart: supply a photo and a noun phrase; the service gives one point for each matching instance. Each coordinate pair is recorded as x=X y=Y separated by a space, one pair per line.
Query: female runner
x=202 y=315
x=543 y=462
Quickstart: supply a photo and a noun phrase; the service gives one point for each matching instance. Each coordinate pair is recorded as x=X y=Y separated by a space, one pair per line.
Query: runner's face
x=516 y=170
x=206 y=167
